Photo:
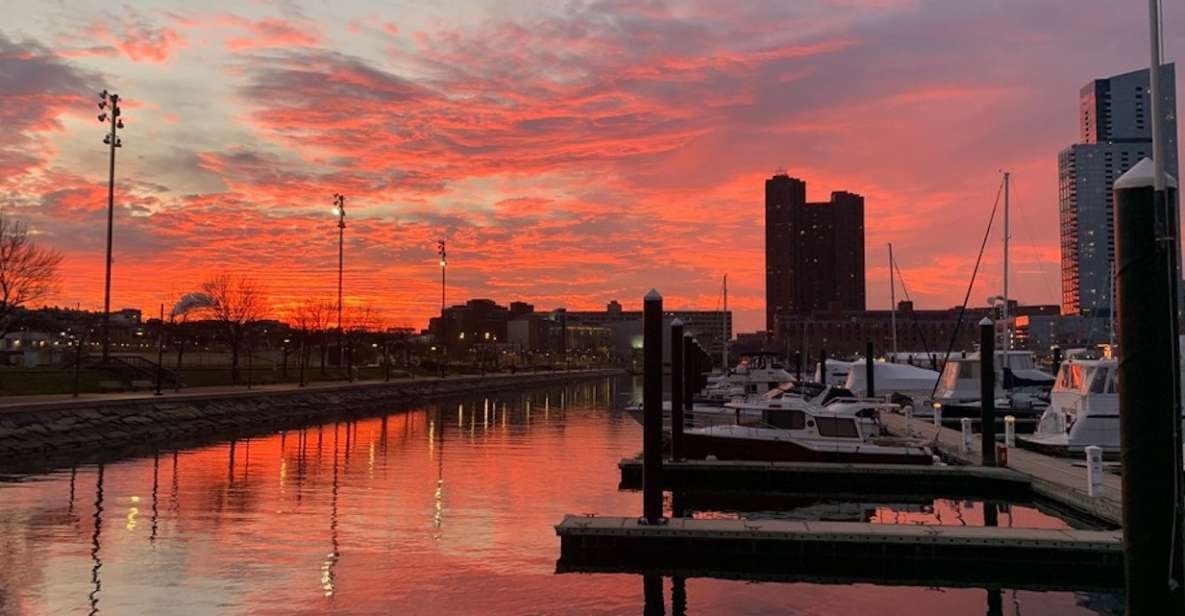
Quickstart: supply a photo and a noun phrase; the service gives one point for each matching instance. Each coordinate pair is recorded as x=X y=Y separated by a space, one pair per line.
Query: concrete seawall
x=79 y=426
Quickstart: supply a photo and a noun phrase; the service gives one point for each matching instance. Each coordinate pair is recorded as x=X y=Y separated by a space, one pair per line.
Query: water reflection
x=96 y=534
x=350 y=517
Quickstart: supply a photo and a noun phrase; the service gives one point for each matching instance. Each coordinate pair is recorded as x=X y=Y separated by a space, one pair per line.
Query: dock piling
x=652 y=408
x=869 y=370
x=688 y=381
x=1010 y=431
x=823 y=366
x=966 y=424
x=1149 y=419
x=678 y=373
x=987 y=391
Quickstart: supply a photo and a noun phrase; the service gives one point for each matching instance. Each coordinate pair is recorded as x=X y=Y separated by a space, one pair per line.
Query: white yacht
x=1021 y=389
x=1083 y=409
x=838 y=432
x=755 y=376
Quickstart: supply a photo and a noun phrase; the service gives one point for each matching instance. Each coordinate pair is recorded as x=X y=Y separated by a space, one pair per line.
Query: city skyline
x=569 y=155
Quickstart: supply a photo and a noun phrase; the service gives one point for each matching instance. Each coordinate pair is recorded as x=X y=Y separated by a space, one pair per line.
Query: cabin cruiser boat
x=1083 y=409
x=755 y=376
x=1021 y=389
x=810 y=396
x=806 y=433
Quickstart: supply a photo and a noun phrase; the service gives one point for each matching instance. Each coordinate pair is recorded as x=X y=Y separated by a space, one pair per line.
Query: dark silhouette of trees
x=236 y=303
x=28 y=272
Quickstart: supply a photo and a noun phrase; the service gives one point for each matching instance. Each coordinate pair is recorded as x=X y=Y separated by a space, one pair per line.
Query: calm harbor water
x=445 y=509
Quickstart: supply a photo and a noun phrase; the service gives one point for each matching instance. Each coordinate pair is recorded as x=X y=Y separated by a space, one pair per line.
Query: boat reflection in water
x=445 y=509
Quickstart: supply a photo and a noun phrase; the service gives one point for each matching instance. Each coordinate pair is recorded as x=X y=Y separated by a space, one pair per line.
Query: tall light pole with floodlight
x=339 y=208
x=443 y=317
x=110 y=112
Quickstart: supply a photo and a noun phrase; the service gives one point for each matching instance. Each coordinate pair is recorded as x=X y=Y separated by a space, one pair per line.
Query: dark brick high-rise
x=814 y=252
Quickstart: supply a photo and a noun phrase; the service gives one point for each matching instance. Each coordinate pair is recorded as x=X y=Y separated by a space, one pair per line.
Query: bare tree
x=312 y=318
x=28 y=272
x=360 y=322
x=236 y=303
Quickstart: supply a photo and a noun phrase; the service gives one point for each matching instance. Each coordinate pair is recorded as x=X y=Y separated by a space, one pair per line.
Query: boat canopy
x=890 y=377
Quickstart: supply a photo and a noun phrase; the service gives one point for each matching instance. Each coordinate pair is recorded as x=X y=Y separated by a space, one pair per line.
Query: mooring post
x=908 y=419
x=869 y=370
x=678 y=371
x=1010 y=431
x=966 y=423
x=688 y=380
x=937 y=415
x=1149 y=421
x=987 y=392
x=652 y=408
x=1094 y=470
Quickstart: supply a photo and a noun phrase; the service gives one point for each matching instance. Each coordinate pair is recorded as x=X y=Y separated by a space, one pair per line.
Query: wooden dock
x=845 y=552
x=836 y=481
x=1060 y=480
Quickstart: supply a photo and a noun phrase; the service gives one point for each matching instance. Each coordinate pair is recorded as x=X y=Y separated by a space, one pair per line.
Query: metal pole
x=987 y=392
x=652 y=408
x=823 y=366
x=688 y=380
x=1167 y=203
x=160 y=350
x=1004 y=312
x=1148 y=417
x=341 y=347
x=678 y=369
x=724 y=326
x=892 y=301
x=110 y=231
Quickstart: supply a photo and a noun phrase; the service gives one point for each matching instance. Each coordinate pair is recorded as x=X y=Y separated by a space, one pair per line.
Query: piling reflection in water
x=419 y=512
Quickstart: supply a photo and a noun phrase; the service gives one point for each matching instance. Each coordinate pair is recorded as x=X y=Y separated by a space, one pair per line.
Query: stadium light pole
x=339 y=208
x=440 y=250
x=109 y=112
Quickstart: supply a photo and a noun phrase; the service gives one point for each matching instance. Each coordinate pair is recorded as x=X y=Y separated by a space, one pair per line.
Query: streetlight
x=339 y=208
x=440 y=250
x=112 y=140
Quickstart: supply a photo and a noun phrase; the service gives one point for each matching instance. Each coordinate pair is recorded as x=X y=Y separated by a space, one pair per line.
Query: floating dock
x=1059 y=480
x=844 y=552
x=836 y=481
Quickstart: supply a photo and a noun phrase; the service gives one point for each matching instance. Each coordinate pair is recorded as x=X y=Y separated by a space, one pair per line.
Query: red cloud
x=272 y=32
x=137 y=39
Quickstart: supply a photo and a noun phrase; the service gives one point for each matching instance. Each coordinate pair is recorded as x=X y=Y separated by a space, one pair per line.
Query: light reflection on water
x=446 y=509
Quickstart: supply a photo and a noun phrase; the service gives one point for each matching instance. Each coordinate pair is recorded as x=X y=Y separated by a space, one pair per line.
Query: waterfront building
x=712 y=328
x=845 y=333
x=814 y=252
x=1115 y=133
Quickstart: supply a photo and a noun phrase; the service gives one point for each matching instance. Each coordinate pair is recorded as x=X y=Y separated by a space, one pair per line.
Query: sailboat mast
x=724 y=331
x=1007 y=346
x=892 y=301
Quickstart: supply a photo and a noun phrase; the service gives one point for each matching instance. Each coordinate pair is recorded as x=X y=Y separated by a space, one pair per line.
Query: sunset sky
x=570 y=152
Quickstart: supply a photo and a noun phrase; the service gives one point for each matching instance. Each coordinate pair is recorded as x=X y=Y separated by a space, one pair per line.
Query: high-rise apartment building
x=1115 y=128
x=814 y=252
